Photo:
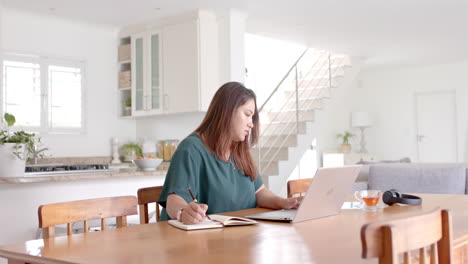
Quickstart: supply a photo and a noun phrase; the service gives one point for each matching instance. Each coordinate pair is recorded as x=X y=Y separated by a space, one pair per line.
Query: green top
x=213 y=181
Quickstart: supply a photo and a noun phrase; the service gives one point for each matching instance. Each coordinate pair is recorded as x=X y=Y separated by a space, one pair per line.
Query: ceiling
x=385 y=32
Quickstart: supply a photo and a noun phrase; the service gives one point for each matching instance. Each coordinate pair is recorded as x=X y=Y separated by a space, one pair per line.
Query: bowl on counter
x=147 y=164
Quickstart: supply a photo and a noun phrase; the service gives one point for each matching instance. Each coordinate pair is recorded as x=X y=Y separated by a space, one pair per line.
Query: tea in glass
x=370 y=198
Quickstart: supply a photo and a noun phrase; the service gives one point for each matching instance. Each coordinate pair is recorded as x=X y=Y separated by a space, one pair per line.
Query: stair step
x=318 y=82
x=322 y=72
x=266 y=180
x=282 y=128
x=272 y=168
x=322 y=92
x=314 y=86
x=335 y=59
x=278 y=141
x=269 y=153
x=290 y=116
x=337 y=71
x=304 y=105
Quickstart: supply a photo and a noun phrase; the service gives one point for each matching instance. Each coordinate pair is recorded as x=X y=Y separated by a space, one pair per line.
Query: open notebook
x=218 y=221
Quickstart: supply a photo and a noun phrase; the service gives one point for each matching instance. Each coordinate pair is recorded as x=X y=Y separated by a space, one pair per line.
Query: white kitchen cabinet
x=146 y=74
x=190 y=64
x=180 y=67
x=174 y=65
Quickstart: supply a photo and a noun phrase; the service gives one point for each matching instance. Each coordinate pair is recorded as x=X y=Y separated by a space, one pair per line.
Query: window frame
x=44 y=62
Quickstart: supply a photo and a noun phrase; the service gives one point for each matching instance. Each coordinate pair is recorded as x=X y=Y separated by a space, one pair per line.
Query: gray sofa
x=448 y=178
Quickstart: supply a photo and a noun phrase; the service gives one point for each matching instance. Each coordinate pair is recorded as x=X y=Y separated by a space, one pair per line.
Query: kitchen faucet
x=36 y=152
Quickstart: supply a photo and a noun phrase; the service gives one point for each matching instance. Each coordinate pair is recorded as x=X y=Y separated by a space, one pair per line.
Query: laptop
x=324 y=197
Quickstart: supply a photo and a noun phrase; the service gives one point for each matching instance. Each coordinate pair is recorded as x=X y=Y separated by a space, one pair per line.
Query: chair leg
x=422 y=255
x=143 y=213
x=103 y=224
x=48 y=232
x=121 y=221
x=69 y=229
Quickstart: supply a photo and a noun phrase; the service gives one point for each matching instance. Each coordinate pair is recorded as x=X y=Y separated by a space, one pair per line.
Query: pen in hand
x=191 y=195
x=195 y=200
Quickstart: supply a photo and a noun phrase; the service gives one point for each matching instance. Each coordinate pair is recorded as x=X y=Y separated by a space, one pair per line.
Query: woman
x=216 y=164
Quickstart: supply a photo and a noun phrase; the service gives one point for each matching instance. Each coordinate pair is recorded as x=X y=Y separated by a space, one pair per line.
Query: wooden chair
x=51 y=215
x=387 y=240
x=298 y=187
x=145 y=196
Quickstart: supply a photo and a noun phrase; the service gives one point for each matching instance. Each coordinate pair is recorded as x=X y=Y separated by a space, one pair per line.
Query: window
x=45 y=95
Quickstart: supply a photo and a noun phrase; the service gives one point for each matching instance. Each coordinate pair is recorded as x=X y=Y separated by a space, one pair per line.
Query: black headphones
x=394 y=196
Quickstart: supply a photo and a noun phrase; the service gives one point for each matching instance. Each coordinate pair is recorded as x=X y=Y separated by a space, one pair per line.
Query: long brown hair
x=215 y=128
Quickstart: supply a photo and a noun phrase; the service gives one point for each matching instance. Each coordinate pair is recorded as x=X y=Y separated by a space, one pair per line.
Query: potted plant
x=16 y=148
x=345 y=146
x=128 y=105
x=130 y=151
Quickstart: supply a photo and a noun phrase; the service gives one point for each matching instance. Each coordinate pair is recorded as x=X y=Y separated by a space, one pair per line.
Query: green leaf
x=10 y=119
x=24 y=142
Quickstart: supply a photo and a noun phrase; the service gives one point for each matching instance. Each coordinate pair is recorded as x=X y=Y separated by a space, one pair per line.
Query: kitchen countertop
x=122 y=172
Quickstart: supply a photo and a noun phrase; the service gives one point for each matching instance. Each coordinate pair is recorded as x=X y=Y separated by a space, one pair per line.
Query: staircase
x=288 y=113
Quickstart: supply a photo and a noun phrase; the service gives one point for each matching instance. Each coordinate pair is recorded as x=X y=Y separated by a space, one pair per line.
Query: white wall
x=48 y=35
x=267 y=61
x=174 y=126
x=335 y=116
x=389 y=95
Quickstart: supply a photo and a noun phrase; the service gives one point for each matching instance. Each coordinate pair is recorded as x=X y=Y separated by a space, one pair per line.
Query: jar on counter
x=170 y=147
x=175 y=143
x=161 y=149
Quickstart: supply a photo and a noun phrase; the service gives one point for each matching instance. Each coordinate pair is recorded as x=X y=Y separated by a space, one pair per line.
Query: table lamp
x=361 y=120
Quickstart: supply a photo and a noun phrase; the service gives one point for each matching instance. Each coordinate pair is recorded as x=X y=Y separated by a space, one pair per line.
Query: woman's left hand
x=291 y=203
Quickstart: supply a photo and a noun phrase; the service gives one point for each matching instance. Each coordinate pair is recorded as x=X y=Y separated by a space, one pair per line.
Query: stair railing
x=325 y=67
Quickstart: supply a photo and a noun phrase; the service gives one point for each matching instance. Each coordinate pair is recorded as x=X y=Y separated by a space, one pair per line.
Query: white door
x=436 y=126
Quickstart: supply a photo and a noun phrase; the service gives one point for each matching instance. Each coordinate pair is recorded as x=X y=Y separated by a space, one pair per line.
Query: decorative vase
x=345 y=148
x=10 y=165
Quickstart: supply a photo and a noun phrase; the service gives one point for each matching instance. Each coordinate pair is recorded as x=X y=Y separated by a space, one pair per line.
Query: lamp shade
x=361 y=119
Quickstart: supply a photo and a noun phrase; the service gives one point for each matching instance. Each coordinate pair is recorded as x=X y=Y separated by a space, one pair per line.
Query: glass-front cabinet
x=183 y=79
x=146 y=73
x=138 y=74
x=155 y=100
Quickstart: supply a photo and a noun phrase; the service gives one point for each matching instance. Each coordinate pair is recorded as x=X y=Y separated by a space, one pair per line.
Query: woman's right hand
x=193 y=213
x=291 y=203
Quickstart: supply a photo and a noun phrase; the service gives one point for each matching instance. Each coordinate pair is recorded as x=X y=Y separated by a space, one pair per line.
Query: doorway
x=436 y=131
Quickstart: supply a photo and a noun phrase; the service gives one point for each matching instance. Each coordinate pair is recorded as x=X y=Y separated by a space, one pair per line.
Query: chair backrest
x=427 y=233
x=51 y=215
x=298 y=187
x=145 y=196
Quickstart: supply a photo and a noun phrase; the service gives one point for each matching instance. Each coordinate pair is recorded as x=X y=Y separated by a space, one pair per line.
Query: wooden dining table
x=333 y=239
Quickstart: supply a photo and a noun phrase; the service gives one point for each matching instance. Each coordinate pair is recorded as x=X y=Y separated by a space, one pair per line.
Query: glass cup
x=370 y=198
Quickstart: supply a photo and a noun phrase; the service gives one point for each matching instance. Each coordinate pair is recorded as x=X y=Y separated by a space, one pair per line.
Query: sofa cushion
x=466 y=187
x=364 y=173
x=450 y=180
